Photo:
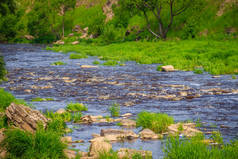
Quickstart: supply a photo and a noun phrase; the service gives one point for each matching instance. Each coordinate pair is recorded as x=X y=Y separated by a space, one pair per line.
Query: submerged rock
x=25 y=118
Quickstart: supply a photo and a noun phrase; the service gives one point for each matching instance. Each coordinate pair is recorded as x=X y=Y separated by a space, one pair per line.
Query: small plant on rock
x=115 y=110
x=58 y=63
x=77 y=56
x=76 y=107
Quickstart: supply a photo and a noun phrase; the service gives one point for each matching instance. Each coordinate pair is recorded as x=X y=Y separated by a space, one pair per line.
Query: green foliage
x=76 y=107
x=157 y=122
x=38 y=99
x=198 y=71
x=43 y=144
x=57 y=124
x=58 y=63
x=195 y=148
x=217 y=137
x=115 y=110
x=77 y=56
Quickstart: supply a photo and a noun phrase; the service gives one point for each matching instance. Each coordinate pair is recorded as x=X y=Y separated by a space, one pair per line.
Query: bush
x=75 y=107
x=115 y=110
x=41 y=145
x=5 y=99
x=155 y=121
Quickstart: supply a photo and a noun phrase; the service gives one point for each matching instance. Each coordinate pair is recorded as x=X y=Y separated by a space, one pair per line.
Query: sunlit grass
x=215 y=57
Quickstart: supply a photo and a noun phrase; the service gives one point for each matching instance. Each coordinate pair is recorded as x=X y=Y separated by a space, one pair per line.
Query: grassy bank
x=215 y=57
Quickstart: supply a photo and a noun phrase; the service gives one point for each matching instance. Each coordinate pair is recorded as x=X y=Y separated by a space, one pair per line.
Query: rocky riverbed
x=213 y=100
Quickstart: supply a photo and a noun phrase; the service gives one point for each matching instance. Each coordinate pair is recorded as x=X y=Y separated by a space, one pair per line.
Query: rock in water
x=25 y=118
x=168 y=68
x=98 y=147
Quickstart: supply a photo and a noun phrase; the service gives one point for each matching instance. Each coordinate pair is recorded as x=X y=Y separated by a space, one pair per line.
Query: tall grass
x=5 y=99
x=41 y=145
x=155 y=121
x=195 y=148
x=115 y=110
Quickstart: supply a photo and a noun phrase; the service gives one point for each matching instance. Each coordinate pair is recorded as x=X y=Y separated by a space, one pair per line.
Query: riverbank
x=215 y=57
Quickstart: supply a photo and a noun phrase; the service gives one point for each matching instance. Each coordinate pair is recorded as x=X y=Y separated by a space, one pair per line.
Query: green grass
x=38 y=99
x=43 y=144
x=215 y=57
x=77 y=56
x=76 y=107
x=110 y=63
x=115 y=110
x=157 y=122
x=194 y=148
x=58 y=63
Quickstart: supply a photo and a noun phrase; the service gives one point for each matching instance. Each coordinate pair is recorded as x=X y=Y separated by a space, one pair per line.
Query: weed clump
x=76 y=107
x=5 y=99
x=96 y=62
x=157 y=122
x=77 y=56
x=38 y=99
x=115 y=110
x=66 y=117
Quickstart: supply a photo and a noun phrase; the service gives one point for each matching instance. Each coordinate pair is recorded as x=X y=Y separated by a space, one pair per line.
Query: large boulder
x=98 y=147
x=148 y=134
x=128 y=123
x=25 y=118
x=168 y=68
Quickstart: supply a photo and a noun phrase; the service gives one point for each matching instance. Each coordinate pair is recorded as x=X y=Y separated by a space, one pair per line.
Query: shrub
x=43 y=144
x=115 y=110
x=76 y=107
x=78 y=56
x=155 y=121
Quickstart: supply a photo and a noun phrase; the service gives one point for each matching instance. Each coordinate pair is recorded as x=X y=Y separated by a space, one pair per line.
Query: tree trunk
x=63 y=27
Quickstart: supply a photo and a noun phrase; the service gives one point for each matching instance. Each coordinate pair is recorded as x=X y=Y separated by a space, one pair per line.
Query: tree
x=163 y=11
x=63 y=6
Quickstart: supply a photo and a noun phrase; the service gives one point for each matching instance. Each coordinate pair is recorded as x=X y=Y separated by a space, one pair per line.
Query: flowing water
x=213 y=101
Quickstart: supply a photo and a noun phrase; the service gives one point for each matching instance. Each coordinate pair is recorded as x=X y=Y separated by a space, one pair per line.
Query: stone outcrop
x=129 y=153
x=119 y=133
x=168 y=68
x=25 y=118
x=60 y=111
x=59 y=42
x=148 y=134
x=75 y=43
x=29 y=37
x=186 y=129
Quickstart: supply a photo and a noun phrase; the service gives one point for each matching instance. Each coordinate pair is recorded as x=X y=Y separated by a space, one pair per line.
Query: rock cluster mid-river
x=183 y=95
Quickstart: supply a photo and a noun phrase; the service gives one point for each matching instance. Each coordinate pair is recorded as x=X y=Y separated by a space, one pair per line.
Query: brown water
x=140 y=86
